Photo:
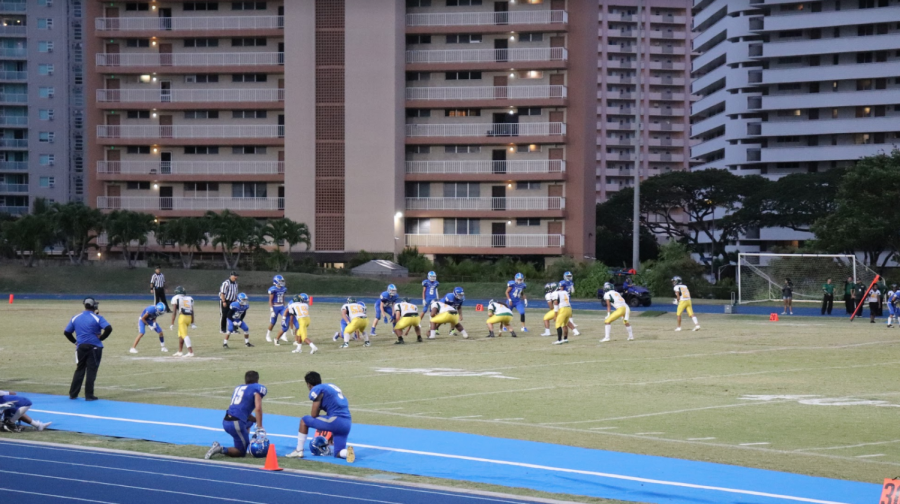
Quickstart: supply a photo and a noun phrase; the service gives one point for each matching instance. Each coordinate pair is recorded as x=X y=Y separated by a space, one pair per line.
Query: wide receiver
x=299 y=312
x=683 y=300
x=616 y=308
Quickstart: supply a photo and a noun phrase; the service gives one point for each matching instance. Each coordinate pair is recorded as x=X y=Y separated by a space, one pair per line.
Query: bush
x=415 y=262
x=674 y=260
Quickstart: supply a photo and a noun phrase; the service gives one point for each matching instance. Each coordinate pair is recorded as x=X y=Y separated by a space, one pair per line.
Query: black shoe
x=91 y=398
x=73 y=397
x=10 y=427
x=249 y=345
x=367 y=343
x=513 y=334
x=490 y=335
x=418 y=339
x=400 y=342
x=225 y=345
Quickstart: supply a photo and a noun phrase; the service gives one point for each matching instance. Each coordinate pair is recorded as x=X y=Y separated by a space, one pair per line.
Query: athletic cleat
x=889 y=326
x=344 y=345
x=295 y=454
x=351 y=455
x=565 y=341
x=453 y=332
x=546 y=332
x=177 y=354
x=164 y=350
x=576 y=332
x=696 y=328
x=367 y=344
x=311 y=350
x=418 y=339
x=336 y=336
x=557 y=342
x=524 y=329
x=604 y=340
x=133 y=350
x=631 y=338
x=677 y=329
x=215 y=448
x=490 y=335
x=225 y=345
x=283 y=337
x=297 y=350
x=39 y=426
x=513 y=334
x=432 y=337
x=190 y=354
x=268 y=339
x=399 y=342
x=249 y=345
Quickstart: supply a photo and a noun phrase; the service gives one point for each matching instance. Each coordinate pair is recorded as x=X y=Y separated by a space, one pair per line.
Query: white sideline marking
x=738 y=405
x=647 y=433
x=753 y=444
x=457 y=396
x=853 y=446
x=497 y=462
x=701 y=438
x=602 y=428
x=506 y=419
x=869 y=456
x=462 y=417
x=51 y=495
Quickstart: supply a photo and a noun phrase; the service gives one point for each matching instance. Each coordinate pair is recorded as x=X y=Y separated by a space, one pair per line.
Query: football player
x=236 y=313
x=429 y=290
x=616 y=308
x=443 y=313
x=277 y=305
x=299 y=311
x=562 y=308
x=456 y=300
x=893 y=304
x=246 y=400
x=13 y=409
x=183 y=306
x=406 y=315
x=148 y=319
x=515 y=297
x=384 y=307
x=683 y=299
x=569 y=283
x=328 y=397
x=354 y=314
x=498 y=313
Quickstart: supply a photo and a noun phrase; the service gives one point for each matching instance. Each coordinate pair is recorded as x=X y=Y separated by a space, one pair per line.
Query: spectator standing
x=787 y=295
x=883 y=288
x=828 y=297
x=87 y=331
x=874 y=302
x=228 y=294
x=849 y=298
x=859 y=294
x=158 y=289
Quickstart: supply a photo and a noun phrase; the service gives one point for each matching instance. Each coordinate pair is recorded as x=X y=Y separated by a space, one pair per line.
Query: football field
x=802 y=395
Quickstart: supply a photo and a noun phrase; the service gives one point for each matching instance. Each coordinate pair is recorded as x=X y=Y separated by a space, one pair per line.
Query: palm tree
x=187 y=234
x=77 y=225
x=290 y=233
x=232 y=233
x=125 y=227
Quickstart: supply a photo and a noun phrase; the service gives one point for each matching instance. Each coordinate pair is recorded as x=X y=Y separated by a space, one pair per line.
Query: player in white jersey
x=183 y=307
x=355 y=315
x=298 y=309
x=406 y=316
x=563 y=309
x=616 y=308
x=499 y=313
x=683 y=300
x=549 y=290
x=443 y=313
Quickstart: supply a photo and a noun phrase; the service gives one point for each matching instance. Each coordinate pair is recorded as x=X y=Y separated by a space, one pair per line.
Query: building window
x=46 y=92
x=529 y=111
x=462 y=75
x=462 y=113
x=248 y=149
x=249 y=42
x=418 y=39
x=137 y=43
x=462 y=149
x=45 y=46
x=135 y=186
x=426 y=149
x=462 y=226
x=418 y=76
x=201 y=149
x=201 y=78
x=418 y=226
x=201 y=189
x=417 y=3
x=249 y=77
x=47 y=159
x=418 y=112
x=462 y=189
x=462 y=3
x=46 y=136
x=45 y=114
x=474 y=38
x=531 y=37
x=138 y=149
x=48 y=182
x=249 y=190
x=201 y=6
x=528 y=222
x=531 y=74
x=201 y=114
x=528 y=186
x=44 y=23
x=248 y=6
x=137 y=6
x=138 y=114
x=418 y=190
x=45 y=69
x=201 y=42
x=249 y=114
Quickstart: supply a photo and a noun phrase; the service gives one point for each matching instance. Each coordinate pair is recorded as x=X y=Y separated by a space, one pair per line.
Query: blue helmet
x=278 y=280
x=363 y=305
x=243 y=299
x=160 y=308
x=304 y=298
x=520 y=278
x=259 y=444
x=392 y=290
x=432 y=276
x=458 y=292
x=567 y=276
x=319 y=446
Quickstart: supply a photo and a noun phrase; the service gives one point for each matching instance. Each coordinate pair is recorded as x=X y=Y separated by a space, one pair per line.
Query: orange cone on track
x=773 y=317
x=11 y=298
x=272 y=459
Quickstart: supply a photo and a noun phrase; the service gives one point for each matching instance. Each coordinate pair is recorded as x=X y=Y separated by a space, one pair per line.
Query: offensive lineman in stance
x=406 y=315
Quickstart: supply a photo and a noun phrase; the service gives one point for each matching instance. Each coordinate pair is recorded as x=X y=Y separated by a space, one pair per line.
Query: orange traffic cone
x=11 y=299
x=773 y=317
x=272 y=459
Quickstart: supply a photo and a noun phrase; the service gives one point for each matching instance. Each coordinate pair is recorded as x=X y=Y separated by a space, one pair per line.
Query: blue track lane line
x=506 y=462
x=48 y=473
x=470 y=304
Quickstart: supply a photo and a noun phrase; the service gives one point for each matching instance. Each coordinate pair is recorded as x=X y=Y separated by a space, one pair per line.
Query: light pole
x=636 y=216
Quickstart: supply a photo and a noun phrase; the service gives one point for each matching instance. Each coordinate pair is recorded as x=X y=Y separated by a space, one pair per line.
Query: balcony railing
x=13 y=188
x=12 y=7
x=499 y=204
x=13 y=120
x=486 y=241
x=13 y=210
x=487 y=55
x=486 y=167
x=185 y=131
x=188 y=204
x=13 y=30
x=486 y=93
x=18 y=143
x=190 y=167
x=189 y=95
x=13 y=75
x=487 y=18
x=486 y=129
x=13 y=166
x=13 y=98
x=189 y=23
x=235 y=59
x=13 y=52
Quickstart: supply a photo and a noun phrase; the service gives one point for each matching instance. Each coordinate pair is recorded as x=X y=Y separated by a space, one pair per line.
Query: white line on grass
x=852 y=446
x=459 y=396
x=701 y=438
x=648 y=433
x=753 y=444
x=462 y=417
x=506 y=419
x=602 y=428
x=658 y=413
x=869 y=456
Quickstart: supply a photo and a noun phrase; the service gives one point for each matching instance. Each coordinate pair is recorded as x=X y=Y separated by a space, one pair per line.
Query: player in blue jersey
x=148 y=319
x=13 y=410
x=384 y=307
x=328 y=397
x=429 y=291
x=236 y=313
x=569 y=285
x=893 y=303
x=245 y=401
x=456 y=299
x=277 y=305
x=515 y=297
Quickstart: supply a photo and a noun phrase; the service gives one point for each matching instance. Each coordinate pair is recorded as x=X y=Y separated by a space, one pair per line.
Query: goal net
x=760 y=277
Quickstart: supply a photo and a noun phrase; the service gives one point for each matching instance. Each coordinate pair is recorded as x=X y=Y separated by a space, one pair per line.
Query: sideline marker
x=773 y=317
x=310 y=300
x=272 y=459
x=479 y=307
x=11 y=299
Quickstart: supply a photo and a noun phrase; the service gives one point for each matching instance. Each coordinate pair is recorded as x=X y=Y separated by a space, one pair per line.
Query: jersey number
x=339 y=393
x=238 y=395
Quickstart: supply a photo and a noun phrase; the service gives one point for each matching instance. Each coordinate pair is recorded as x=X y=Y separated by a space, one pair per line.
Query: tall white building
x=794 y=87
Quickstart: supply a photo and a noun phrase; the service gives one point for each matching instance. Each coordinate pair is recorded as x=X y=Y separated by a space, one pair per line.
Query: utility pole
x=638 y=136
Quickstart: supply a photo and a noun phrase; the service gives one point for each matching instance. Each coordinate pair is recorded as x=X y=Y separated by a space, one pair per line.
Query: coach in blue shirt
x=87 y=331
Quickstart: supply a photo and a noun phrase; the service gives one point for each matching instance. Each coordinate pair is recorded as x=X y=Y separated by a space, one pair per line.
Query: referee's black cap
x=234 y=273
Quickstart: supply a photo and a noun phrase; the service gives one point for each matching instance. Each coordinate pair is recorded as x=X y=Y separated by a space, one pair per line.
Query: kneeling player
x=299 y=312
x=148 y=319
x=247 y=398
x=406 y=316
x=12 y=410
x=183 y=305
x=443 y=313
x=615 y=301
x=236 y=313
x=328 y=397
x=498 y=313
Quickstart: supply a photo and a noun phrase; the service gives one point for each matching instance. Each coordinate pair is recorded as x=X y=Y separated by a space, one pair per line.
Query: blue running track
x=39 y=473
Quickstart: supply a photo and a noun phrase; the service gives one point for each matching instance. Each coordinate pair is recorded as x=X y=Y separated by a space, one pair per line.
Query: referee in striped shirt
x=158 y=289
x=228 y=293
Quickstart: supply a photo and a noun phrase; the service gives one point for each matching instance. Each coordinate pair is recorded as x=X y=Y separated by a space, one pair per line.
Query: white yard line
x=870 y=456
x=701 y=438
x=753 y=444
x=851 y=446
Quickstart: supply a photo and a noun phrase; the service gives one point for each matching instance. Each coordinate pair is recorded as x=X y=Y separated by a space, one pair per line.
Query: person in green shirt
x=849 y=300
x=828 y=297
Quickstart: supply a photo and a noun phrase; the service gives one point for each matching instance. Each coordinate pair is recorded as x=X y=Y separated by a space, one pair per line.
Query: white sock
x=608 y=330
x=246 y=339
x=630 y=334
x=431 y=334
x=366 y=335
x=269 y=333
x=301 y=440
x=225 y=341
x=187 y=343
x=312 y=345
x=464 y=334
x=35 y=422
x=343 y=453
x=695 y=320
x=346 y=338
x=162 y=344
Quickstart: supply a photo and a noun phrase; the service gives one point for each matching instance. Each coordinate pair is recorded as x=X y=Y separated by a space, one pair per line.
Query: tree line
x=75 y=228
x=847 y=210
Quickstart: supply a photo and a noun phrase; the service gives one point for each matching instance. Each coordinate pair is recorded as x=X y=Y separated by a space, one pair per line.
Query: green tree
x=866 y=217
x=77 y=226
x=411 y=259
x=794 y=202
x=128 y=230
x=187 y=235
x=615 y=219
x=674 y=260
x=29 y=235
x=232 y=233
x=289 y=233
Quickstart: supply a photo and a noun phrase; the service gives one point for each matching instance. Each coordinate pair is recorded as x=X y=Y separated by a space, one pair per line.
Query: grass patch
x=651 y=313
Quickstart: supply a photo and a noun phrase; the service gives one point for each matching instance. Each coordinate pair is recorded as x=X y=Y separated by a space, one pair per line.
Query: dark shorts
x=337 y=426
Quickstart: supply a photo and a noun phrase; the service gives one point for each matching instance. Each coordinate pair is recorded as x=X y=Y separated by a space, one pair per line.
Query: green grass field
x=728 y=393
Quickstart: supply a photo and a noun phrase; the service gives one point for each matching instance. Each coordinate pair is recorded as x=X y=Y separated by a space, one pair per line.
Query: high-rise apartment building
x=461 y=127
x=41 y=121
x=794 y=87
x=664 y=49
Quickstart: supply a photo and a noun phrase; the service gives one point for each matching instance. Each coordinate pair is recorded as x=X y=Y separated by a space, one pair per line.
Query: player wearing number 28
x=246 y=400
x=328 y=397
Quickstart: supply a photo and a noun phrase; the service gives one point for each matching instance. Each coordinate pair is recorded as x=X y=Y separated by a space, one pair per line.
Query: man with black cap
x=228 y=293
x=87 y=331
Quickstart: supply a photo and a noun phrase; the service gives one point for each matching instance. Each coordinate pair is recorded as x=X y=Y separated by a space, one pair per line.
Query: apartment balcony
x=829 y=99
x=832 y=72
x=13 y=31
x=235 y=171
x=829 y=126
x=204 y=24
x=13 y=120
x=13 y=188
x=665 y=158
x=822 y=153
x=12 y=7
x=139 y=62
x=511 y=204
x=186 y=98
x=804 y=20
x=666 y=126
x=666 y=142
x=486 y=59
x=503 y=20
x=484 y=170
x=428 y=97
x=654 y=111
x=13 y=166
x=505 y=244
x=805 y=47
x=170 y=135
x=6 y=98
x=665 y=65
x=486 y=132
x=190 y=206
x=13 y=210
x=8 y=75
x=13 y=52
x=14 y=143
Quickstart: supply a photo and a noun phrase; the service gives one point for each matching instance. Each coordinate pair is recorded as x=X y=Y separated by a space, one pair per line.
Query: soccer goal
x=760 y=277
